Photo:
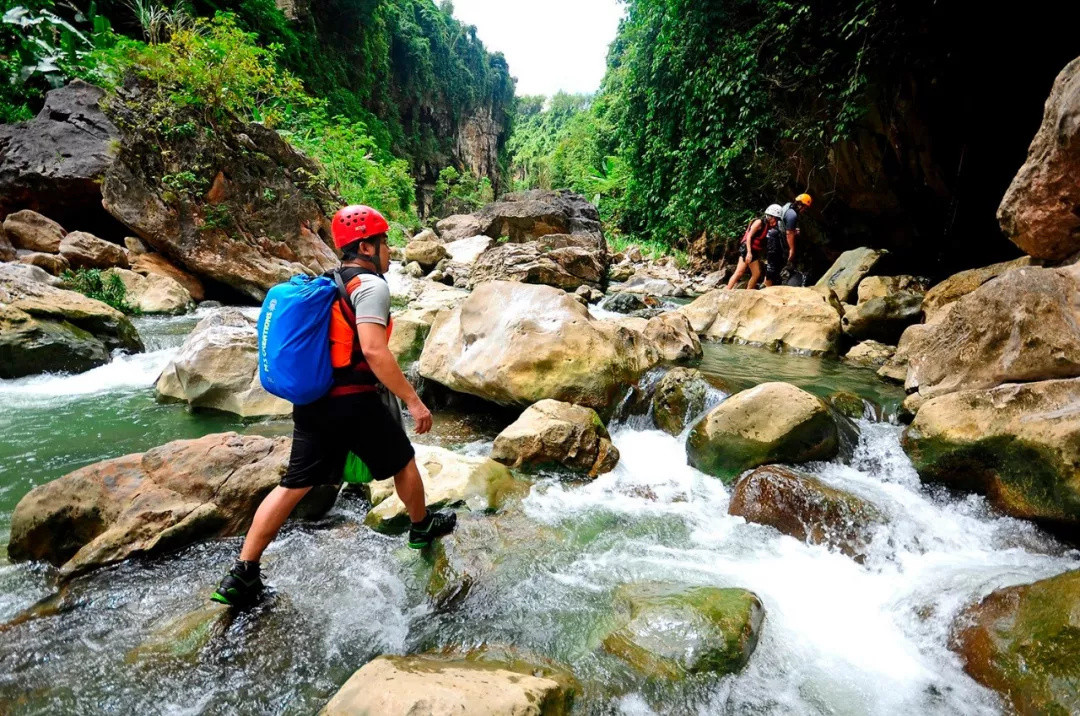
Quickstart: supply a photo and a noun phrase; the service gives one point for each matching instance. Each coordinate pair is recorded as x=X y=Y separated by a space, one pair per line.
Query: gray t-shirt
x=371 y=300
x=791 y=220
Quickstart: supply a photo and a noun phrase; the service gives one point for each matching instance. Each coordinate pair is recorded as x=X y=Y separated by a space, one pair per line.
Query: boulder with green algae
x=802 y=506
x=772 y=422
x=847 y=404
x=1017 y=443
x=679 y=397
x=478 y=484
x=668 y=631
x=476 y=684
x=185 y=636
x=1024 y=642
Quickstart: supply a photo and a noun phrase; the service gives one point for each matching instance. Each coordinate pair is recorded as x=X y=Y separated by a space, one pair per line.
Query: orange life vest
x=352 y=374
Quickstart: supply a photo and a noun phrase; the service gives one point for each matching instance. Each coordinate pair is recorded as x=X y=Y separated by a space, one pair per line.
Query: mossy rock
x=679 y=398
x=669 y=631
x=1024 y=642
x=848 y=404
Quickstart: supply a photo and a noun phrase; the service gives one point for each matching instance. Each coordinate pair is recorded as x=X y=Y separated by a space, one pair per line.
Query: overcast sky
x=551 y=45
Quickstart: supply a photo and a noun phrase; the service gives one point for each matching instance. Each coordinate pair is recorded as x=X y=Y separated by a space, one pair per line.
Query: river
x=839 y=637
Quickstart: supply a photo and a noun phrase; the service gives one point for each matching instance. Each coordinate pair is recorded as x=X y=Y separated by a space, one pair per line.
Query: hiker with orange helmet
x=780 y=250
x=356 y=415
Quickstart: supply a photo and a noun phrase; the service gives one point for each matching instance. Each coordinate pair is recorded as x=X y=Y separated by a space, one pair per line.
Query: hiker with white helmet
x=752 y=246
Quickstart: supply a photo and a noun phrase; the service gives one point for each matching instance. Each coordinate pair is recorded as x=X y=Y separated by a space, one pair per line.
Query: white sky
x=550 y=45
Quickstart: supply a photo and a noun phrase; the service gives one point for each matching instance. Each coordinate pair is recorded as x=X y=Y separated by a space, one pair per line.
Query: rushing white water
x=839 y=636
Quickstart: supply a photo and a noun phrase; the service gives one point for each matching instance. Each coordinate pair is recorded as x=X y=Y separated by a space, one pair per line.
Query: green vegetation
x=457 y=193
x=109 y=289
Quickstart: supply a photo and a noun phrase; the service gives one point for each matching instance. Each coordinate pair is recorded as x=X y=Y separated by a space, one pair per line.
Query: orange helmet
x=804 y=199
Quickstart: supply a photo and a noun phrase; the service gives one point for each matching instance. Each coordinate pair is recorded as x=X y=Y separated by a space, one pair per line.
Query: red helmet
x=357 y=222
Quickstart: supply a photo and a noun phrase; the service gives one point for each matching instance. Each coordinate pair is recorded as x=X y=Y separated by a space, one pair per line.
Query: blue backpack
x=294 y=338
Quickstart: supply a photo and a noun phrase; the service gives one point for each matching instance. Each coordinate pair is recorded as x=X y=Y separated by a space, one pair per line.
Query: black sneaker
x=240 y=587
x=435 y=525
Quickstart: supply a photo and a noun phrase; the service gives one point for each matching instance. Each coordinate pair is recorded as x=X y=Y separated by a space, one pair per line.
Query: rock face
x=1023 y=326
x=516 y=344
x=1038 y=213
x=941 y=297
x=154 y=293
x=44 y=329
x=425 y=253
x=526 y=216
x=217 y=368
x=553 y=433
x=147 y=264
x=31 y=231
x=787 y=317
x=1022 y=642
x=414 y=685
x=566 y=268
x=83 y=250
x=670 y=631
x=1018 y=444
x=802 y=506
x=680 y=397
x=153 y=502
x=250 y=219
x=848 y=270
x=869 y=354
x=56 y=160
x=478 y=484
x=773 y=422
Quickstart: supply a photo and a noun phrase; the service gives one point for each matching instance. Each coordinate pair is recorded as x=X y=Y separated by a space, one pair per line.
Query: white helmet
x=775 y=210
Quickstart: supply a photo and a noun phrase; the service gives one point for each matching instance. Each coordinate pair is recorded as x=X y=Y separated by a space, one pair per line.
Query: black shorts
x=325 y=431
x=775 y=261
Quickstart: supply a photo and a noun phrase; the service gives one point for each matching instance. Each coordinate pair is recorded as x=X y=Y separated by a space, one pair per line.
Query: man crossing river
x=352 y=416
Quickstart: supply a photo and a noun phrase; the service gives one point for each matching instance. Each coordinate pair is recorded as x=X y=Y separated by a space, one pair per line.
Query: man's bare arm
x=385 y=367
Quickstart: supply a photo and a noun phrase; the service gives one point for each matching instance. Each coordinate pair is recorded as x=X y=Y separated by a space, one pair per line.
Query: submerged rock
x=516 y=344
x=552 y=433
x=185 y=636
x=847 y=404
x=680 y=397
x=672 y=630
x=153 y=502
x=1024 y=642
x=1022 y=326
x=773 y=422
x=782 y=317
x=450 y=480
x=44 y=328
x=1038 y=212
x=218 y=368
x=1018 y=444
x=802 y=506
x=429 y=684
x=848 y=270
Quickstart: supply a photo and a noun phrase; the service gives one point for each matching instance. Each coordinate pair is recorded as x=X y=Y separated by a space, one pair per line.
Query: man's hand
x=421 y=416
x=791 y=256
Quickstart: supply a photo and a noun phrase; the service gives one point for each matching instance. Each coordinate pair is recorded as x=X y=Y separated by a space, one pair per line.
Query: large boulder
x=1023 y=642
x=153 y=293
x=458 y=226
x=942 y=296
x=516 y=344
x=1022 y=326
x=411 y=330
x=772 y=422
x=83 y=250
x=426 y=253
x=787 y=317
x=873 y=287
x=551 y=433
x=147 y=264
x=54 y=264
x=218 y=368
x=670 y=333
x=848 y=270
x=802 y=506
x=30 y=231
x=465 y=251
x=428 y=684
x=45 y=329
x=566 y=268
x=54 y=163
x=526 y=216
x=7 y=250
x=1018 y=444
x=478 y=484
x=871 y=354
x=882 y=318
x=150 y=503
x=668 y=631
x=680 y=397
x=1038 y=212
x=238 y=204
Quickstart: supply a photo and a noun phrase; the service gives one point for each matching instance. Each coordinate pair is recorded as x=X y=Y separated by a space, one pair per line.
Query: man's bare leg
x=271 y=515
x=410 y=488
